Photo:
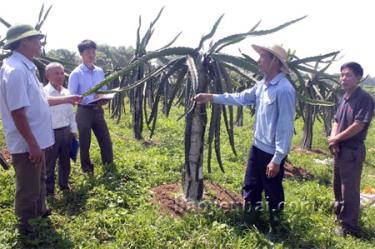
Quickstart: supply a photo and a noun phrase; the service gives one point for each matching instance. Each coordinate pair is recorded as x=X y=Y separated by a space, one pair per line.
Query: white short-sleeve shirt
x=62 y=115
x=20 y=88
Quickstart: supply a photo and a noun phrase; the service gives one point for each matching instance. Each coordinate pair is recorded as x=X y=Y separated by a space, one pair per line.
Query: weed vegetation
x=113 y=209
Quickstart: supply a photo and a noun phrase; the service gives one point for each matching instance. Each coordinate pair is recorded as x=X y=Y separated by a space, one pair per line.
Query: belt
x=61 y=128
x=90 y=106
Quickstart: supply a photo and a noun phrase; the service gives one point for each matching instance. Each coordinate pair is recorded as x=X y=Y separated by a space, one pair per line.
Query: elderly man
x=64 y=127
x=26 y=121
x=274 y=99
x=346 y=143
x=90 y=116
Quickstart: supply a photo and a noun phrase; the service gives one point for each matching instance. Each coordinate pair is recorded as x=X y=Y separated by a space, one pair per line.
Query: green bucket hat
x=18 y=32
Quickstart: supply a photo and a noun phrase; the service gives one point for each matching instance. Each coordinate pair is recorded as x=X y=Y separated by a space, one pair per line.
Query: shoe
x=340 y=231
x=273 y=235
x=25 y=229
x=46 y=213
x=343 y=232
x=275 y=224
x=89 y=169
x=275 y=217
x=89 y=172
x=65 y=189
x=250 y=215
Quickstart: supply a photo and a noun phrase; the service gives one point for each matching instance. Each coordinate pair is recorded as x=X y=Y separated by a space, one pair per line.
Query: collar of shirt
x=85 y=68
x=353 y=95
x=29 y=64
x=52 y=91
x=50 y=88
x=275 y=79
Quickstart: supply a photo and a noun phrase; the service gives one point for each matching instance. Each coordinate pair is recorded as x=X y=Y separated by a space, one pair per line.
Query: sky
x=331 y=25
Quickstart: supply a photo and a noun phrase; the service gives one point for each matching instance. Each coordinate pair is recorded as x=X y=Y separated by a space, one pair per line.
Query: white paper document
x=100 y=97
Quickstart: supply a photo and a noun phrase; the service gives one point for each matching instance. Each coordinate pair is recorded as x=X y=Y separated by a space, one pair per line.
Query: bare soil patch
x=5 y=153
x=309 y=152
x=293 y=172
x=172 y=200
x=5 y=158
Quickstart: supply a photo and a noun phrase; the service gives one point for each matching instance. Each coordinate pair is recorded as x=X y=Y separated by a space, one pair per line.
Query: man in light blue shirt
x=90 y=115
x=274 y=100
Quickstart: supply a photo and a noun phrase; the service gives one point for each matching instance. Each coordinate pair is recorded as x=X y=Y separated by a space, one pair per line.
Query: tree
x=317 y=92
x=112 y=58
x=70 y=59
x=141 y=95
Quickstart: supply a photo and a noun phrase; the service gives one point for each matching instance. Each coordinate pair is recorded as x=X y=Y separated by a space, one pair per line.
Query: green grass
x=113 y=209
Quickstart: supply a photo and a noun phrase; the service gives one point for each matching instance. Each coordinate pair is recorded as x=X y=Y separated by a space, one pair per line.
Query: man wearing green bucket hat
x=17 y=33
x=26 y=121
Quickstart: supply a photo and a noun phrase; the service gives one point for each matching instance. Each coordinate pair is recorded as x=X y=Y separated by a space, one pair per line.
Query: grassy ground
x=113 y=209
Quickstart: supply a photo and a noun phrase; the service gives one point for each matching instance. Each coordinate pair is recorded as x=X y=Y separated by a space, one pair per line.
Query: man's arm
x=334 y=129
x=22 y=125
x=57 y=100
x=246 y=97
x=333 y=147
x=203 y=98
x=349 y=132
x=286 y=102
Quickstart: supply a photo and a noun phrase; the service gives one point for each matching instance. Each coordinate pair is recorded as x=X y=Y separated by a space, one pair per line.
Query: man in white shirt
x=26 y=121
x=64 y=127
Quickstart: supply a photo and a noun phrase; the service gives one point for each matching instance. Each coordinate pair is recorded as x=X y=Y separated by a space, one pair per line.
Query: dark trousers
x=88 y=118
x=256 y=181
x=60 y=150
x=30 y=199
x=347 y=170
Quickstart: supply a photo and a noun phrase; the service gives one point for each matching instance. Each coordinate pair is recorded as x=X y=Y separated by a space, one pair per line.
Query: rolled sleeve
x=285 y=124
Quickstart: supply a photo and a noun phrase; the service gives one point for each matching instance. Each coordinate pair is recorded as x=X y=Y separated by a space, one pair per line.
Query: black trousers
x=60 y=150
x=256 y=181
x=92 y=118
x=347 y=171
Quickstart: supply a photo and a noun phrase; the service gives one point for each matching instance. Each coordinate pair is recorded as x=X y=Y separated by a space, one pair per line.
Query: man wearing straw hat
x=274 y=99
x=26 y=121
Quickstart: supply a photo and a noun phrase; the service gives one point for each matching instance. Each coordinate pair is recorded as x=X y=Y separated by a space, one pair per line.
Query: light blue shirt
x=274 y=113
x=83 y=79
x=20 y=88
